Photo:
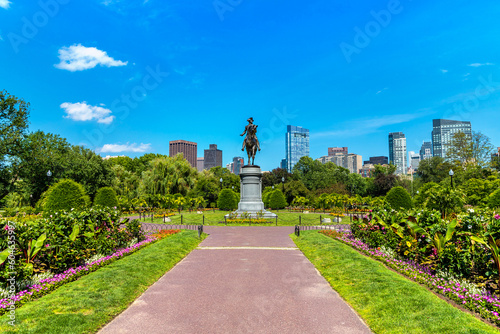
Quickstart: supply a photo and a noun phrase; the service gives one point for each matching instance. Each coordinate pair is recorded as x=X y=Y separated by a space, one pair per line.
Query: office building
x=187 y=148
x=414 y=160
x=353 y=162
x=236 y=165
x=200 y=164
x=426 y=150
x=397 y=152
x=442 y=133
x=380 y=160
x=213 y=157
x=296 y=145
x=283 y=164
x=334 y=150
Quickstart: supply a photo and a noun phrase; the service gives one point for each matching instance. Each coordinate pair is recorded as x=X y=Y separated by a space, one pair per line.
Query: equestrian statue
x=251 y=142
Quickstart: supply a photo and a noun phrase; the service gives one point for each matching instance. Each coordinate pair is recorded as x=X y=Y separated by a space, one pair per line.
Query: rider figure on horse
x=250 y=130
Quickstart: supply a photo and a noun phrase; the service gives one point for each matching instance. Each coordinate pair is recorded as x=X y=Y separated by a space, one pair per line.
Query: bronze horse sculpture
x=251 y=143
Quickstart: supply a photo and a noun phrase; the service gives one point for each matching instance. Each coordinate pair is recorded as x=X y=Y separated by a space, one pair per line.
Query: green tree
x=228 y=200
x=14 y=113
x=383 y=179
x=274 y=177
x=424 y=191
x=470 y=150
x=398 y=198
x=277 y=200
x=167 y=175
x=43 y=152
x=477 y=190
x=434 y=169
x=445 y=199
x=66 y=195
x=106 y=196
x=494 y=199
x=316 y=175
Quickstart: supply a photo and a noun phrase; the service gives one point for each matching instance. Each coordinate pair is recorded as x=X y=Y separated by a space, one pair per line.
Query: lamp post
x=283 y=182
x=49 y=174
x=220 y=180
x=451 y=173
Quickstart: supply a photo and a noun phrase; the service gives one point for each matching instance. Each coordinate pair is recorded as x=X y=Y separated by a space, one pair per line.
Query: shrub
x=228 y=200
x=277 y=200
x=494 y=199
x=66 y=195
x=398 y=198
x=106 y=197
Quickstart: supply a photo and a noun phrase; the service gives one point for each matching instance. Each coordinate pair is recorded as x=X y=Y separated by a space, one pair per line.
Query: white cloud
x=365 y=126
x=481 y=64
x=444 y=71
x=5 y=4
x=79 y=58
x=117 y=148
x=81 y=111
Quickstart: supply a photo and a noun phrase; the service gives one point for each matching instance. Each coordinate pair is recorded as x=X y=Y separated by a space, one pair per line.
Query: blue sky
x=126 y=77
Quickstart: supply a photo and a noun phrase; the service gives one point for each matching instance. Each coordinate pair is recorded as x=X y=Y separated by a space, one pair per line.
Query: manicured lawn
x=388 y=302
x=89 y=303
x=285 y=218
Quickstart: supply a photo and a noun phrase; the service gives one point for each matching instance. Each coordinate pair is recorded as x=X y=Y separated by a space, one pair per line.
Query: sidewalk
x=240 y=280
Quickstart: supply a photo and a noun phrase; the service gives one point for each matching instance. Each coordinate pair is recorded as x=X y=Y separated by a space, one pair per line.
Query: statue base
x=251 y=194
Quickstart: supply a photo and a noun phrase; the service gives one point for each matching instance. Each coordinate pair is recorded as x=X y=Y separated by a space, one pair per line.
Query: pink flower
x=497 y=217
x=6 y=227
x=47 y=246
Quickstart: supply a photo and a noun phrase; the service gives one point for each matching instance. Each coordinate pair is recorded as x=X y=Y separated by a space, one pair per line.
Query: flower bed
x=72 y=274
x=486 y=305
x=248 y=221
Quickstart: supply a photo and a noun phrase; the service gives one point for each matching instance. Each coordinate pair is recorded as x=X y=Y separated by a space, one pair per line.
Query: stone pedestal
x=251 y=193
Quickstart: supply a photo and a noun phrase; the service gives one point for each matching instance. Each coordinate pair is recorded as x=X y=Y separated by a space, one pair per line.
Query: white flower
x=470 y=226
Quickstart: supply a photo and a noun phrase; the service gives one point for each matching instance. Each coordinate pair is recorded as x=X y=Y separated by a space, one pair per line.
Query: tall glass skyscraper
x=442 y=132
x=397 y=152
x=296 y=145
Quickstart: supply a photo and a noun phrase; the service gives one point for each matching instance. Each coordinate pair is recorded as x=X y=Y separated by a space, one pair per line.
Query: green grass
x=285 y=218
x=388 y=302
x=89 y=303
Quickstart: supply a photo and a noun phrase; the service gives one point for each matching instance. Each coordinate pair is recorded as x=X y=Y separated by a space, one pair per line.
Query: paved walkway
x=240 y=280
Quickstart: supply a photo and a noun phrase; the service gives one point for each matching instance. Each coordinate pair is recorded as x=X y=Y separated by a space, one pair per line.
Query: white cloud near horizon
x=5 y=4
x=79 y=58
x=480 y=64
x=366 y=126
x=81 y=111
x=117 y=148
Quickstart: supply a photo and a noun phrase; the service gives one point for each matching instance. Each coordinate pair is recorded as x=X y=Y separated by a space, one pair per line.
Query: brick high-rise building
x=213 y=157
x=187 y=148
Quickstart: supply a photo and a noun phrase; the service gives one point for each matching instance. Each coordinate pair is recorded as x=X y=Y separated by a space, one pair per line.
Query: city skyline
x=114 y=77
